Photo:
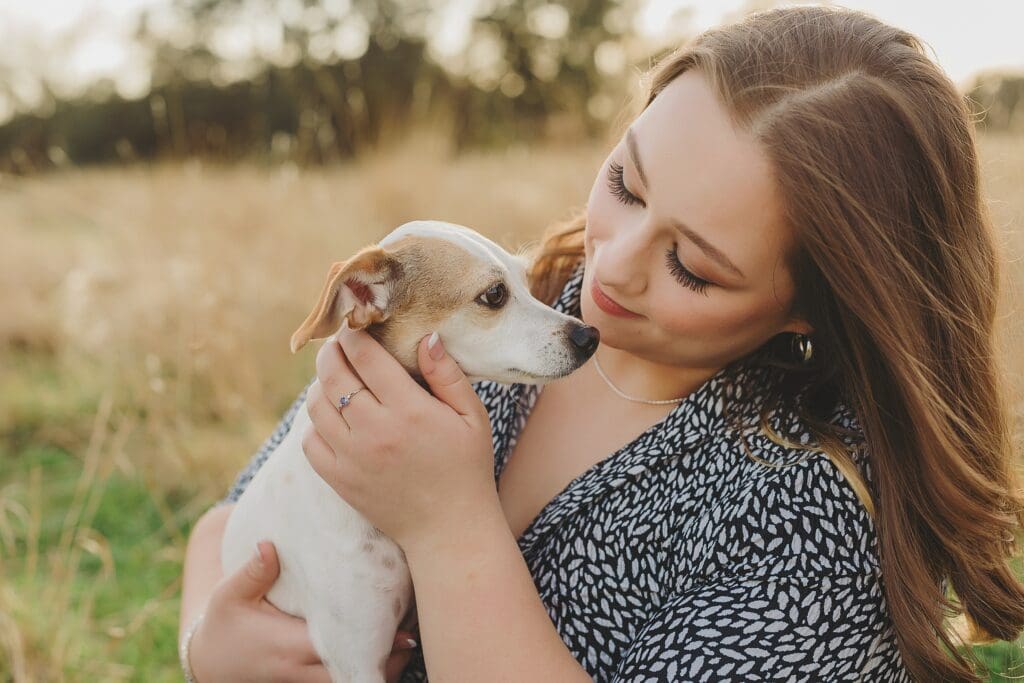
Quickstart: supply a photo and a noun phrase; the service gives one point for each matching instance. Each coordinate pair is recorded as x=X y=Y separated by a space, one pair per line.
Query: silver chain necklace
x=626 y=396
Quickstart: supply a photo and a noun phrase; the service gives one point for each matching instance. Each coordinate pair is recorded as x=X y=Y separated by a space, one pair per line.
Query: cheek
x=689 y=319
x=722 y=316
x=602 y=209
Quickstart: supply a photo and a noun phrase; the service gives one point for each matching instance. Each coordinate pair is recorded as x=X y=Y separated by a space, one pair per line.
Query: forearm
x=480 y=617
x=202 y=566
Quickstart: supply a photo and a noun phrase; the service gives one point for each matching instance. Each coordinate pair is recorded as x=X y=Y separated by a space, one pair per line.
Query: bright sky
x=966 y=36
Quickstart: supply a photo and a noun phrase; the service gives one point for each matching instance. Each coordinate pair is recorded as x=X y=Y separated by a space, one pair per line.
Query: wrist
x=184 y=649
x=462 y=534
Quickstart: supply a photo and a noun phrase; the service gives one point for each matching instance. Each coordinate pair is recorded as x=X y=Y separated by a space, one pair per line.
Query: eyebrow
x=709 y=249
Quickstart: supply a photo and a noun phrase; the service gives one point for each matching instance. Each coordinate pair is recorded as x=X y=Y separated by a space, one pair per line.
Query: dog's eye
x=495 y=296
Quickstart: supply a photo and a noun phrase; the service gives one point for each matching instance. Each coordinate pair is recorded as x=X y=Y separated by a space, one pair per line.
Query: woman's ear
x=358 y=290
x=798 y=326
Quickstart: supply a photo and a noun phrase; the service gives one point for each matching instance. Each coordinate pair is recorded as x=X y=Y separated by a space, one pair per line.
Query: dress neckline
x=697 y=417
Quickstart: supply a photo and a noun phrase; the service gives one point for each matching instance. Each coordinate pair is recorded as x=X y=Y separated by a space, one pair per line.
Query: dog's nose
x=584 y=339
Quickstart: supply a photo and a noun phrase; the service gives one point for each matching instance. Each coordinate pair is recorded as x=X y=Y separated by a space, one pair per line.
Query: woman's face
x=684 y=231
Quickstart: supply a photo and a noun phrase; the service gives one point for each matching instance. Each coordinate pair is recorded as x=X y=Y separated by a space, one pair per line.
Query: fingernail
x=259 y=557
x=435 y=348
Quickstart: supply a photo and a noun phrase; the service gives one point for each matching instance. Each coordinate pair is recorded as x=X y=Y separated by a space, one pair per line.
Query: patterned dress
x=682 y=558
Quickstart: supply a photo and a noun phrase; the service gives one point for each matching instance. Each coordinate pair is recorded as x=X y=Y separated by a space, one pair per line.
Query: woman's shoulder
x=787 y=455
x=795 y=508
x=778 y=446
x=810 y=506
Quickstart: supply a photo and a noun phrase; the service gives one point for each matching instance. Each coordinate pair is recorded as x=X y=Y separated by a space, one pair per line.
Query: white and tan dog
x=350 y=582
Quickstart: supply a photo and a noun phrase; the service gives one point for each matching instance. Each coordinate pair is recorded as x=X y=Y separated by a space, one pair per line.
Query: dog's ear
x=358 y=290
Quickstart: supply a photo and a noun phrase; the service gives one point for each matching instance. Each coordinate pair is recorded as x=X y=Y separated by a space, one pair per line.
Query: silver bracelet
x=186 y=642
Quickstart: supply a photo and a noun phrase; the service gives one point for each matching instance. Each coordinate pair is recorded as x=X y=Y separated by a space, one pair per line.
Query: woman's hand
x=245 y=638
x=415 y=465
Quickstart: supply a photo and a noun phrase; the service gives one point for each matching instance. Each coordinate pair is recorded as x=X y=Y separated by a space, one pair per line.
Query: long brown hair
x=897 y=270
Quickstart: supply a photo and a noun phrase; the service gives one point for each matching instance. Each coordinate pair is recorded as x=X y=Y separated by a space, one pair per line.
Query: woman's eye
x=494 y=296
x=618 y=186
x=683 y=275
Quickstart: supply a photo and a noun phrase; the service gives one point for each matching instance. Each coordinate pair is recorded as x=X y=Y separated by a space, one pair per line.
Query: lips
x=609 y=305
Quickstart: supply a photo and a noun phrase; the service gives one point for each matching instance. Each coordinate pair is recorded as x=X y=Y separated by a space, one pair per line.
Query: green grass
x=91 y=555
x=96 y=566
x=102 y=597
x=1004 y=660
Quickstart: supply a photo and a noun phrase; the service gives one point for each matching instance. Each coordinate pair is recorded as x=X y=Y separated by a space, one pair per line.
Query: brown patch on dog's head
x=357 y=290
x=438 y=279
x=404 y=291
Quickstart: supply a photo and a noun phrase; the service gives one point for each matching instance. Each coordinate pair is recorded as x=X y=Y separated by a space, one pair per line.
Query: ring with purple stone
x=347 y=398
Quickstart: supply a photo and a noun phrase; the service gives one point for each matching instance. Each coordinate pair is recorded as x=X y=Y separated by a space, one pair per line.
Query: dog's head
x=431 y=276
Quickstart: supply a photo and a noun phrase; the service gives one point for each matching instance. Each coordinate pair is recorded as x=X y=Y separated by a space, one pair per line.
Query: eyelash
x=684 y=276
x=618 y=188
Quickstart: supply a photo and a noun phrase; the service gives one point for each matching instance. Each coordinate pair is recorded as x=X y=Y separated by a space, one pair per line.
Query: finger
x=312 y=673
x=378 y=369
x=337 y=379
x=336 y=372
x=326 y=418
x=396 y=664
x=445 y=377
x=404 y=640
x=292 y=634
x=303 y=648
x=253 y=579
x=323 y=458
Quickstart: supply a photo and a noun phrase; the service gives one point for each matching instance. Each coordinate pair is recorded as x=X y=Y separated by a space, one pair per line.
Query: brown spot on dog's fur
x=438 y=277
x=368 y=547
x=389 y=562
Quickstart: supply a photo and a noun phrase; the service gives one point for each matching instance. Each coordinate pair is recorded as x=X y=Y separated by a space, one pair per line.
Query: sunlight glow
x=73 y=43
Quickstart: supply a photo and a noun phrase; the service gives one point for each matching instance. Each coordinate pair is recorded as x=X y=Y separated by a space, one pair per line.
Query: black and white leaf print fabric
x=680 y=558
x=808 y=628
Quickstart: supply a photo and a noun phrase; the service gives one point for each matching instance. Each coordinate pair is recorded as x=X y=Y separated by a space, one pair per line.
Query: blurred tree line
x=313 y=82
x=998 y=101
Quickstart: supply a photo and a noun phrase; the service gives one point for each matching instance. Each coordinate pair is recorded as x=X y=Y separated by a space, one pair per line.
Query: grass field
x=144 y=355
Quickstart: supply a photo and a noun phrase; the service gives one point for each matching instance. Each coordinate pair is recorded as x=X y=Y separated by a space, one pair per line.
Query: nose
x=621 y=261
x=584 y=340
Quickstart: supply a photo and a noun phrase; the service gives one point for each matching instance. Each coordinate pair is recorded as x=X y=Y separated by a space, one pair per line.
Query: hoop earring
x=802 y=349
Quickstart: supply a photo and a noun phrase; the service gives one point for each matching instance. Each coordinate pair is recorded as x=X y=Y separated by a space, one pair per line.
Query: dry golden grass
x=178 y=287
x=147 y=313
x=1002 y=159
x=147 y=318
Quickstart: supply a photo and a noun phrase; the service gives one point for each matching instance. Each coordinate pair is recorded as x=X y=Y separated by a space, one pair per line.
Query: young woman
x=790 y=444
